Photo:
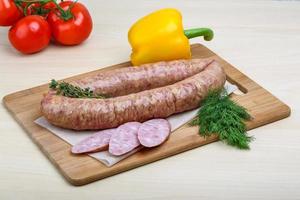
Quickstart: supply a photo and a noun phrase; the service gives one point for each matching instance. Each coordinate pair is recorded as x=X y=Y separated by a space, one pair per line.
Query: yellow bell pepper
x=160 y=36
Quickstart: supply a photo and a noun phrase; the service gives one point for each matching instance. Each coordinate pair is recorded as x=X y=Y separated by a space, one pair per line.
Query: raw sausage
x=154 y=132
x=96 y=142
x=82 y=114
x=129 y=80
x=124 y=139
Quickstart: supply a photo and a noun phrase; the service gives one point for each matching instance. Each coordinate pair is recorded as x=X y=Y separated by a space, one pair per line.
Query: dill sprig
x=222 y=116
x=69 y=90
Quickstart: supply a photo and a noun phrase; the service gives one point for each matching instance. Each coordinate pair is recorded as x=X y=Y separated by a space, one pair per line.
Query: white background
x=261 y=38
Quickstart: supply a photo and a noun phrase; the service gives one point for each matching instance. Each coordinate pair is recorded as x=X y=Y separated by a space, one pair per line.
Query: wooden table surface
x=261 y=38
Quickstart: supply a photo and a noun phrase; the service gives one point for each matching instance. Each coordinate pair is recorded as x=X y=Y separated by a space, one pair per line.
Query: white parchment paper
x=73 y=137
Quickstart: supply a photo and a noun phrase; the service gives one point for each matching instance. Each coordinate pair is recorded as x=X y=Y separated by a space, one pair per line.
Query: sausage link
x=82 y=114
x=129 y=80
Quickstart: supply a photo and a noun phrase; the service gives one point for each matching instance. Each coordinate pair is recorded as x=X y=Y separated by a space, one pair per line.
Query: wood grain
x=80 y=170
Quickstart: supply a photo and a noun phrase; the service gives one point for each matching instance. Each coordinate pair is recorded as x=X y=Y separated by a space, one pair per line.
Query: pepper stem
x=196 y=32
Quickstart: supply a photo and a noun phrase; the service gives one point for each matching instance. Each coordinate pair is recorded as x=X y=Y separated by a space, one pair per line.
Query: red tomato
x=71 y=31
x=39 y=9
x=9 y=13
x=30 y=35
x=49 y=6
x=32 y=8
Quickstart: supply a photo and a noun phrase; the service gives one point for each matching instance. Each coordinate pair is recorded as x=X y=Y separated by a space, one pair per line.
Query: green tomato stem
x=64 y=14
x=29 y=3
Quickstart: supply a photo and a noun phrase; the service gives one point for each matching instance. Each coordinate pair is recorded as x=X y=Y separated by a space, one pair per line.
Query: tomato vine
x=38 y=7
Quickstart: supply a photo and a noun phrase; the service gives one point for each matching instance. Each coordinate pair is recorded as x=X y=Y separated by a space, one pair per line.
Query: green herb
x=69 y=90
x=224 y=117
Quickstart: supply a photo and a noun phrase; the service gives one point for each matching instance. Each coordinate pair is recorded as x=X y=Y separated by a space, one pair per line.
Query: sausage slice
x=154 y=132
x=124 y=139
x=96 y=142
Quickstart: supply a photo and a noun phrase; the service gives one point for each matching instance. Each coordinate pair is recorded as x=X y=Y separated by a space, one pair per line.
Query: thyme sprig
x=222 y=116
x=69 y=90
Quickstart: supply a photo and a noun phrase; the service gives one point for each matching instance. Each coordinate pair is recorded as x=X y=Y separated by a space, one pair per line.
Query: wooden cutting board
x=79 y=170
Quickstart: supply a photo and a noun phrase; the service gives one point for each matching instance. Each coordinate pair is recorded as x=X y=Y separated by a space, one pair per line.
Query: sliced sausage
x=154 y=132
x=96 y=142
x=82 y=114
x=124 y=139
x=129 y=80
